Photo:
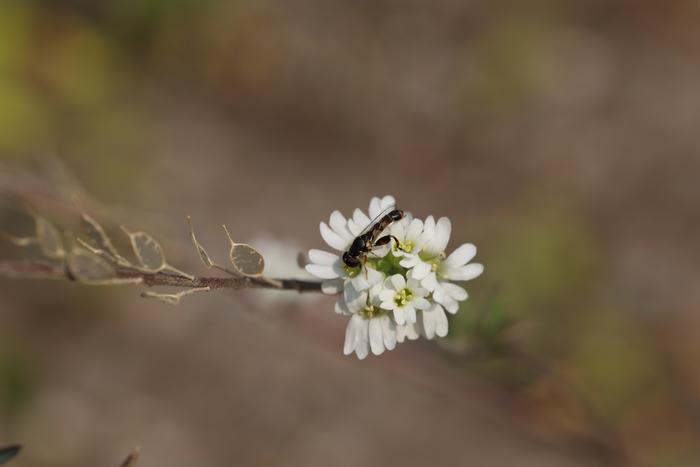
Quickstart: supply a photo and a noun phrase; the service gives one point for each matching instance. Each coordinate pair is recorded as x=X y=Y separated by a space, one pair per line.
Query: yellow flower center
x=403 y=297
x=406 y=246
x=370 y=312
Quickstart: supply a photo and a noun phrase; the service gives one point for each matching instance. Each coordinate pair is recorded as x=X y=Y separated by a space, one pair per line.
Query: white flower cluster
x=401 y=290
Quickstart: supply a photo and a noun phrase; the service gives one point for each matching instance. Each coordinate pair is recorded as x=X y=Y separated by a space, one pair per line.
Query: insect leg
x=385 y=240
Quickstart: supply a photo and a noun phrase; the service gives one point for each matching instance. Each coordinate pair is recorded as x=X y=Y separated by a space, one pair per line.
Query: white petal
x=450 y=304
x=360 y=281
x=388 y=305
x=443 y=229
x=367 y=278
x=333 y=239
x=430 y=282
x=429 y=323
x=465 y=273
x=400 y=334
x=455 y=291
x=323 y=258
x=421 y=270
x=398 y=229
x=441 y=324
x=361 y=337
x=374 y=207
x=387 y=202
x=376 y=337
x=381 y=251
x=339 y=224
x=333 y=286
x=410 y=313
x=387 y=295
x=362 y=345
x=461 y=255
x=420 y=292
x=397 y=282
x=421 y=303
x=374 y=277
x=322 y=272
x=428 y=231
x=360 y=218
x=409 y=260
x=374 y=293
x=414 y=286
x=350 y=332
x=377 y=205
x=354 y=300
x=439 y=294
x=415 y=228
x=388 y=332
x=399 y=316
x=412 y=331
x=358 y=223
x=341 y=307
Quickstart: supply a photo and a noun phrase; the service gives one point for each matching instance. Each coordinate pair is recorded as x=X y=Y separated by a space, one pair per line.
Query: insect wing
x=376 y=219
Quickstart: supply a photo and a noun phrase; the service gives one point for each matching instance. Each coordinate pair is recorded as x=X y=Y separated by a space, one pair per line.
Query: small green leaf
x=245 y=259
x=203 y=255
x=8 y=453
x=173 y=299
x=49 y=238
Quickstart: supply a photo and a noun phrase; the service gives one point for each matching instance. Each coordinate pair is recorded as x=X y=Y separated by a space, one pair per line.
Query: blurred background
x=561 y=137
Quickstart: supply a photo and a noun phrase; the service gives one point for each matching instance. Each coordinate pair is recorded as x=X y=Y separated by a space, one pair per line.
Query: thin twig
x=37 y=269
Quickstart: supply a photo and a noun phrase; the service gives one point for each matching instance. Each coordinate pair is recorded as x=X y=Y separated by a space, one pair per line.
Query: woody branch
x=40 y=269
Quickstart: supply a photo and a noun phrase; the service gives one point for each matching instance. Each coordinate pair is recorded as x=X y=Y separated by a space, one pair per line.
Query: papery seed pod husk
x=147 y=250
x=203 y=255
x=173 y=299
x=88 y=268
x=245 y=259
x=97 y=235
x=18 y=241
x=49 y=238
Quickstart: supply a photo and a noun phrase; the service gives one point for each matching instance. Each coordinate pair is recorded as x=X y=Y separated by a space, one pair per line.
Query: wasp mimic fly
x=370 y=238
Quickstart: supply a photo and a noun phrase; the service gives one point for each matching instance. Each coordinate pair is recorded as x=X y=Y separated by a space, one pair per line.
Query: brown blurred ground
x=560 y=137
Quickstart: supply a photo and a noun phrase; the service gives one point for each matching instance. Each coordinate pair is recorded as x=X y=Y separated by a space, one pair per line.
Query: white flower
x=453 y=268
x=430 y=323
x=433 y=322
x=401 y=290
x=403 y=298
x=408 y=232
x=370 y=327
x=339 y=234
x=430 y=245
x=410 y=331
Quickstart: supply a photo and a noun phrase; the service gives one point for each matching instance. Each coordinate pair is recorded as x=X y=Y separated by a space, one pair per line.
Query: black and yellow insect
x=370 y=238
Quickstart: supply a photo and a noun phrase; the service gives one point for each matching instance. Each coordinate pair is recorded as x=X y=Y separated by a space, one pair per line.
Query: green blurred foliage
x=16 y=381
x=615 y=362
